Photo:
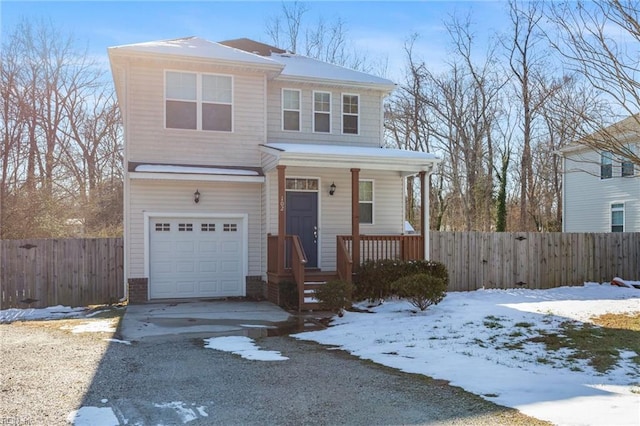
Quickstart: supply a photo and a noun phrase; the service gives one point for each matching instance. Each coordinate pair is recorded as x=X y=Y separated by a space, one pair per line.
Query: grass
x=599 y=344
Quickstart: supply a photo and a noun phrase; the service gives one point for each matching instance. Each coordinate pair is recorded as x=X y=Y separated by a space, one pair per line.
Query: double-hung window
x=290 y=109
x=366 y=202
x=606 y=165
x=322 y=112
x=350 y=113
x=617 y=217
x=198 y=101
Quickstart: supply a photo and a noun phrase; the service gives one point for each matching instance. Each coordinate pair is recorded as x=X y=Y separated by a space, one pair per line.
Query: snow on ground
x=50 y=313
x=93 y=416
x=106 y=325
x=243 y=346
x=478 y=341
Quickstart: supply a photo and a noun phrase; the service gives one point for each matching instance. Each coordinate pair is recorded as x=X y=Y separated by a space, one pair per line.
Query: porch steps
x=313 y=281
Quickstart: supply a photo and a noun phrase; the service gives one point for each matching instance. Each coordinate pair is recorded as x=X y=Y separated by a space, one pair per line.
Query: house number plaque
x=282 y=203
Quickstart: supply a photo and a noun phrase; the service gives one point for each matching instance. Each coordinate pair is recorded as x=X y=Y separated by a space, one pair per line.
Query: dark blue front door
x=302 y=220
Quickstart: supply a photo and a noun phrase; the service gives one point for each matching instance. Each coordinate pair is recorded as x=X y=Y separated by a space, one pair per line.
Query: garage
x=196 y=257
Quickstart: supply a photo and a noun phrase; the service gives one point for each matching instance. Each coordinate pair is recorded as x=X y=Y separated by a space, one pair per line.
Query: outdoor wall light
x=332 y=189
x=196 y=196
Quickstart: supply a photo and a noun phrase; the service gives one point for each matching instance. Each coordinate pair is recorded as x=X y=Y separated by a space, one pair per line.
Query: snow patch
x=93 y=416
x=479 y=341
x=124 y=342
x=185 y=413
x=107 y=325
x=243 y=346
x=50 y=313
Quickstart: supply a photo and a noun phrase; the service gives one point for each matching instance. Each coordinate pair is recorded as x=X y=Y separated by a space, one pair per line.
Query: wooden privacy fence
x=535 y=260
x=70 y=272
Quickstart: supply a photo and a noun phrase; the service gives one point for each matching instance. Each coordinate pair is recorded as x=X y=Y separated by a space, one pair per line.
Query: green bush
x=335 y=295
x=422 y=290
x=376 y=279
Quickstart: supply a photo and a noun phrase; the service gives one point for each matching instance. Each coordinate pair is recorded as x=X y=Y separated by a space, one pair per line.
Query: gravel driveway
x=46 y=373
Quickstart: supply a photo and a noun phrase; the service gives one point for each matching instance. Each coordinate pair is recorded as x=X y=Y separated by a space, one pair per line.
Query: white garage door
x=191 y=257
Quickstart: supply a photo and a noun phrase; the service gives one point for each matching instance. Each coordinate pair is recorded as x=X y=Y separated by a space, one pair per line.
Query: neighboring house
x=601 y=190
x=247 y=164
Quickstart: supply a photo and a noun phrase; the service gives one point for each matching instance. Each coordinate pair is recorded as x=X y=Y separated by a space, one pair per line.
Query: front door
x=302 y=220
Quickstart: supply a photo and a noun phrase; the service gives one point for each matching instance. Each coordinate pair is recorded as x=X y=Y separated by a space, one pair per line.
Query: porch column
x=424 y=217
x=355 y=218
x=281 y=217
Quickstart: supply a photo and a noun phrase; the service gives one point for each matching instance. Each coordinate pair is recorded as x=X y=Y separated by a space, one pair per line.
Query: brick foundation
x=138 y=290
x=256 y=288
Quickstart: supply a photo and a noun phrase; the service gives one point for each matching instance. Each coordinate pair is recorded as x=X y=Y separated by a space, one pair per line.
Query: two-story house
x=247 y=164
x=601 y=190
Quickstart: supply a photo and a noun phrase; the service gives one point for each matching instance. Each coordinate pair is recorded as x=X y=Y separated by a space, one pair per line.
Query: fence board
x=541 y=260
x=71 y=272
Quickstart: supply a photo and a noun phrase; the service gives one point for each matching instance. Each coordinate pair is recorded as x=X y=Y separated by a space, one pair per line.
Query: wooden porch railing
x=298 y=262
x=294 y=262
x=344 y=262
x=376 y=247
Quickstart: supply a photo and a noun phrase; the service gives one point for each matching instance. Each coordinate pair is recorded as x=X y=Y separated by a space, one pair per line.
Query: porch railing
x=344 y=262
x=376 y=247
x=294 y=261
x=298 y=262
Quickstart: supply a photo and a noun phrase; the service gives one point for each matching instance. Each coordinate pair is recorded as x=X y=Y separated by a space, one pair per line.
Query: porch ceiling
x=341 y=156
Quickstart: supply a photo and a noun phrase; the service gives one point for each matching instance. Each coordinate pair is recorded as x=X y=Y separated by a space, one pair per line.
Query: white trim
x=195 y=177
x=283 y=110
x=244 y=217
x=358 y=115
x=313 y=112
x=302 y=177
x=372 y=202
x=199 y=102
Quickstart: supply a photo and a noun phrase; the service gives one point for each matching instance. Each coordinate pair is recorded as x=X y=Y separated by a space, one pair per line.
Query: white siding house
x=216 y=134
x=601 y=191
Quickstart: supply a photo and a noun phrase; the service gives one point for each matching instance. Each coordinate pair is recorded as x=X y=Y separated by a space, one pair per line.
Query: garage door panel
x=195 y=258
x=207 y=266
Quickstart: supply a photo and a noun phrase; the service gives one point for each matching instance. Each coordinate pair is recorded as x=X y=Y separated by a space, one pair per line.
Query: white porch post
x=424 y=208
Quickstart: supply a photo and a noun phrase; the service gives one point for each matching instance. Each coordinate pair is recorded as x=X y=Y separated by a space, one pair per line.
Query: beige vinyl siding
x=370 y=118
x=335 y=211
x=588 y=198
x=165 y=196
x=149 y=141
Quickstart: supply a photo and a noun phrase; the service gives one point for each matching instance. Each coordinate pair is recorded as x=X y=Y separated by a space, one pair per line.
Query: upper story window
x=627 y=168
x=606 y=165
x=617 y=217
x=322 y=112
x=350 y=113
x=290 y=109
x=366 y=202
x=198 y=101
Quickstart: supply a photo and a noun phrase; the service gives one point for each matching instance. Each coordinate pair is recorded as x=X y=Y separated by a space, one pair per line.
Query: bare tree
x=324 y=40
x=600 y=40
x=60 y=126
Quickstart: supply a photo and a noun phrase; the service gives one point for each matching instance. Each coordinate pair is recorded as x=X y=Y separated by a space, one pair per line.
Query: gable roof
x=195 y=47
x=624 y=131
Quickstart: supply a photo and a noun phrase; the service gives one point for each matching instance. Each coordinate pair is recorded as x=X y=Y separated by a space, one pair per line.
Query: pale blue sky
x=379 y=27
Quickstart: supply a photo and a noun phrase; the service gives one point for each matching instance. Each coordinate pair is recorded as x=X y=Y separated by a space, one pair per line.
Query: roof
x=196 y=47
x=283 y=65
x=299 y=67
x=341 y=156
x=195 y=172
x=626 y=130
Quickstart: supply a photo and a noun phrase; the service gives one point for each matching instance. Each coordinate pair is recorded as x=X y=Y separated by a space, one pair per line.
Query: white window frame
x=321 y=112
x=349 y=114
x=372 y=202
x=619 y=207
x=299 y=110
x=606 y=159
x=199 y=100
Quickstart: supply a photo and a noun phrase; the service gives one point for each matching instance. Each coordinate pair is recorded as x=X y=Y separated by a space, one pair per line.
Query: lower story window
x=617 y=217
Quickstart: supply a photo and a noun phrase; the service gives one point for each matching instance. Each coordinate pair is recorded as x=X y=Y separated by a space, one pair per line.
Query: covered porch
x=290 y=246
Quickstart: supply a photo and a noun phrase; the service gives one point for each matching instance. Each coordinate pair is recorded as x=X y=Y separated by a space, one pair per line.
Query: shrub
x=335 y=295
x=422 y=290
x=376 y=279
